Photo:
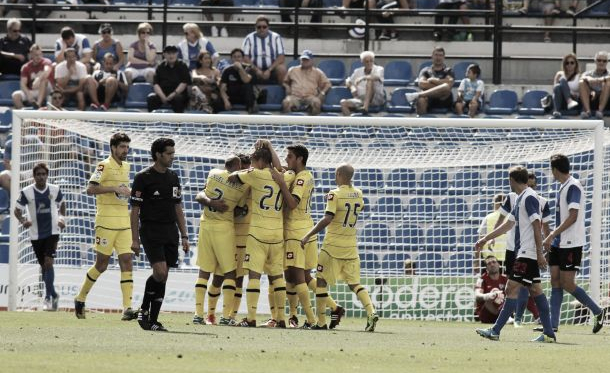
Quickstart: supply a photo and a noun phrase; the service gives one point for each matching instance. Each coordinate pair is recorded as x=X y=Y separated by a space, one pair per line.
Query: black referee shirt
x=157 y=195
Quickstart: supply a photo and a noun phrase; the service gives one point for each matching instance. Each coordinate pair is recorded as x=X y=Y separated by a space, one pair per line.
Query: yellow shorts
x=264 y=257
x=215 y=249
x=240 y=253
x=332 y=269
x=107 y=240
x=297 y=257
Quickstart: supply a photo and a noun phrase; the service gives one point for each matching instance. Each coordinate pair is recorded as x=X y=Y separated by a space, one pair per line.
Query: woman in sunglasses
x=142 y=56
x=205 y=94
x=565 y=89
x=107 y=44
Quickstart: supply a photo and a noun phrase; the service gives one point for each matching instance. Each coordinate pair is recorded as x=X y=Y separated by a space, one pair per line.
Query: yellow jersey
x=267 y=221
x=299 y=221
x=218 y=186
x=242 y=223
x=112 y=209
x=345 y=204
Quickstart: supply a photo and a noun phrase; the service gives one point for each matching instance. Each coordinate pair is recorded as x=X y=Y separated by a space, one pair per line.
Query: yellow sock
x=271 y=298
x=236 y=301
x=252 y=293
x=303 y=296
x=127 y=288
x=213 y=296
x=365 y=299
x=321 y=298
x=90 y=278
x=293 y=298
x=279 y=297
x=228 y=293
x=313 y=285
x=201 y=286
x=330 y=302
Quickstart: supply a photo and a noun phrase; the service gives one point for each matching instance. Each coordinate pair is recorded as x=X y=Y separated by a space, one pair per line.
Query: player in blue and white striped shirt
x=526 y=217
x=45 y=210
x=264 y=49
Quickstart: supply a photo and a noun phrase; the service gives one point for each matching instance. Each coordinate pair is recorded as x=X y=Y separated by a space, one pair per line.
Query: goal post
x=428 y=183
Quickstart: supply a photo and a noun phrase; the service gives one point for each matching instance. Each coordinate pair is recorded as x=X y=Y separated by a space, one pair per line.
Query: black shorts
x=526 y=271
x=566 y=259
x=509 y=262
x=45 y=247
x=440 y=103
x=226 y=3
x=160 y=242
x=101 y=94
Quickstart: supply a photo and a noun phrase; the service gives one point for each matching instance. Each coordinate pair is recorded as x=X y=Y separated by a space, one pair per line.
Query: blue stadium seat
x=502 y=102
x=408 y=237
x=331 y=3
x=420 y=209
x=368 y=262
x=465 y=182
x=325 y=179
x=397 y=73
x=468 y=237
x=358 y=132
x=429 y=264
x=258 y=131
x=6 y=121
x=392 y=133
x=459 y=71
x=9 y=77
x=480 y=208
x=387 y=208
x=459 y=264
x=381 y=144
x=530 y=104
x=184 y=2
x=275 y=95
x=293 y=63
x=440 y=238
x=401 y=180
x=245 y=3
x=318 y=205
x=602 y=9
x=7 y=87
x=269 y=3
x=452 y=209
x=334 y=97
x=369 y=180
x=433 y=182
x=79 y=230
x=354 y=65
x=68 y=255
x=6 y=230
x=5 y=203
x=316 y=143
x=198 y=175
x=296 y=132
x=394 y=263
x=349 y=145
x=71 y=175
x=136 y=97
x=4 y=246
x=334 y=70
x=398 y=102
x=497 y=182
x=80 y=204
x=377 y=234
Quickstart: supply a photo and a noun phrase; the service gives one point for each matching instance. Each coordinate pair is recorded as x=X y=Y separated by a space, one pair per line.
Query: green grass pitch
x=58 y=342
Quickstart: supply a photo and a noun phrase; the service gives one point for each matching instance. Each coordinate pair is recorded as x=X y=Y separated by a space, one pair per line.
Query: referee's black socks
x=153 y=297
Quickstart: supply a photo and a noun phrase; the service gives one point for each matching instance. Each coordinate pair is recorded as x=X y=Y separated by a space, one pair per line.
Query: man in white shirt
x=71 y=78
x=366 y=85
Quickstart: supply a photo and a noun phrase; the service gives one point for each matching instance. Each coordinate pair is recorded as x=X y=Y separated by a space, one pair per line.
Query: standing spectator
x=489 y=292
x=77 y=42
x=71 y=78
x=435 y=82
x=366 y=86
x=449 y=5
x=192 y=44
x=107 y=44
x=205 y=92
x=306 y=86
x=495 y=248
x=236 y=83
x=34 y=80
x=226 y=16
x=566 y=88
x=14 y=48
x=108 y=85
x=45 y=218
x=594 y=88
x=264 y=49
x=171 y=79
x=470 y=92
x=142 y=56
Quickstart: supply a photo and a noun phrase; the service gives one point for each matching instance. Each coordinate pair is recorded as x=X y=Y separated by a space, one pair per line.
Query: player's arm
x=62 y=212
x=291 y=200
x=505 y=227
x=94 y=188
x=479 y=294
x=134 y=220
x=573 y=197
x=537 y=225
x=275 y=160
x=216 y=204
x=182 y=227
x=323 y=223
x=21 y=217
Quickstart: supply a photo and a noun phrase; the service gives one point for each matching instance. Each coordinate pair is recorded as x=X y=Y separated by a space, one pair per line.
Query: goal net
x=428 y=185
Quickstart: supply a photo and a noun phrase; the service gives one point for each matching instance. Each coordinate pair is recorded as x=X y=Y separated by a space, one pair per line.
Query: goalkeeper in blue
x=526 y=218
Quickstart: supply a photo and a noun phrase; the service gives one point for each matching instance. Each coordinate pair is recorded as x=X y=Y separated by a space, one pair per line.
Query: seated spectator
x=192 y=44
x=470 y=92
x=108 y=85
x=236 y=83
x=141 y=56
x=409 y=266
x=366 y=86
x=316 y=17
x=78 y=43
x=225 y=16
x=57 y=102
x=566 y=88
x=489 y=292
x=41 y=13
x=513 y=6
x=449 y=5
x=172 y=77
x=205 y=92
x=107 y=44
x=435 y=82
x=71 y=78
x=14 y=48
x=264 y=49
x=595 y=88
x=305 y=86
x=34 y=83
x=387 y=16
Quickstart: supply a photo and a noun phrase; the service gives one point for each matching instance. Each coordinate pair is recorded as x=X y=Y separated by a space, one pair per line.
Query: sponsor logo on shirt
x=300 y=182
x=290 y=255
x=176 y=193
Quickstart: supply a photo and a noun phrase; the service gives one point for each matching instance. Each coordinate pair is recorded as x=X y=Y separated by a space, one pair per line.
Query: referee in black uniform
x=156 y=207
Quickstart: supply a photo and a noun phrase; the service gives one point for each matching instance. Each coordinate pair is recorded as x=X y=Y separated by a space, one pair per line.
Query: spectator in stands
x=142 y=56
x=595 y=88
x=316 y=17
x=192 y=44
x=34 y=83
x=435 y=82
x=108 y=85
x=470 y=92
x=450 y=5
x=226 y=16
x=566 y=88
x=71 y=78
x=14 y=48
x=497 y=247
x=172 y=77
x=387 y=16
x=409 y=266
x=57 y=102
x=305 y=86
x=489 y=292
x=205 y=92
x=78 y=43
x=264 y=49
x=107 y=44
x=40 y=13
x=236 y=83
x=366 y=86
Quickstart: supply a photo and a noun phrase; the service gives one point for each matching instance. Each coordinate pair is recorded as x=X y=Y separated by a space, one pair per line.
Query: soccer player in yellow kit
x=110 y=184
x=338 y=258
